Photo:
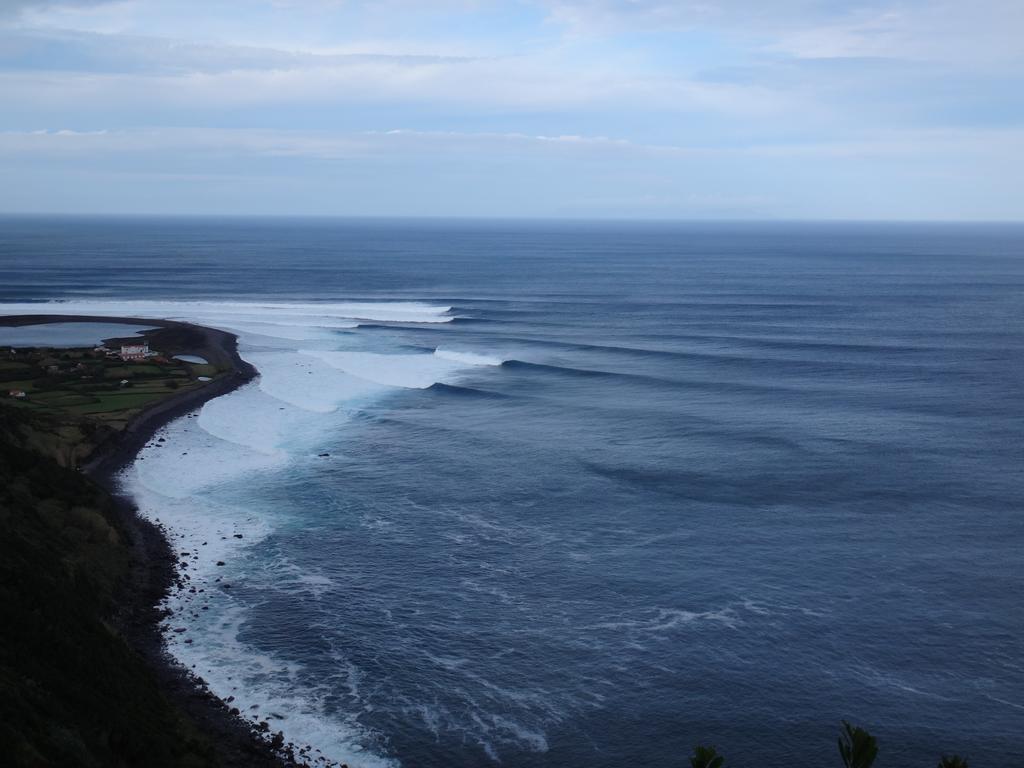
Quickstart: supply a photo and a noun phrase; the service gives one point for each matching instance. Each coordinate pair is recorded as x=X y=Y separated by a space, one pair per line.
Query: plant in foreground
x=706 y=757
x=857 y=747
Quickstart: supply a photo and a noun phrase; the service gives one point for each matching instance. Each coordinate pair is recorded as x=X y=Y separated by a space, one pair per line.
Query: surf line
x=154 y=570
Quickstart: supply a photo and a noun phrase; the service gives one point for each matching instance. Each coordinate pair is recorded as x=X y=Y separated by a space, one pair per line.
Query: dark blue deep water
x=732 y=483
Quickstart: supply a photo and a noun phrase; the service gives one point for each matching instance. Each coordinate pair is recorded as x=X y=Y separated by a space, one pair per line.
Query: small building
x=134 y=351
x=18 y=393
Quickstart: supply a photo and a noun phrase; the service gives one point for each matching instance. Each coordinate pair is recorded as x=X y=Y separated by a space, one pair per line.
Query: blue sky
x=790 y=109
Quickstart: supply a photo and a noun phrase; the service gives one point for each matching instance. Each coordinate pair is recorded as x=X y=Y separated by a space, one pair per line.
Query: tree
x=857 y=747
x=952 y=761
x=706 y=757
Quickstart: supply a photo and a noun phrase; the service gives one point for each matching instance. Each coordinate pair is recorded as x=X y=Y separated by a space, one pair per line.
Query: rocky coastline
x=153 y=566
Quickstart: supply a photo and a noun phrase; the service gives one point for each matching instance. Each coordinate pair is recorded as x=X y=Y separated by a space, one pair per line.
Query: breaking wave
x=192 y=478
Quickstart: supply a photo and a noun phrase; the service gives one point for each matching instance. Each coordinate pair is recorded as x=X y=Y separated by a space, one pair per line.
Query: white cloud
x=309 y=144
x=15 y=7
x=224 y=142
x=940 y=174
x=729 y=102
x=106 y=16
x=983 y=31
x=953 y=144
x=543 y=81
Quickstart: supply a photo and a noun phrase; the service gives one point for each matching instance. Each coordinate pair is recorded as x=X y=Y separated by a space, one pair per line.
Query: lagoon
x=65 y=334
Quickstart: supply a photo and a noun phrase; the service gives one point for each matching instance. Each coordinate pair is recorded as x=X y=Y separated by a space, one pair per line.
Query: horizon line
x=496 y=218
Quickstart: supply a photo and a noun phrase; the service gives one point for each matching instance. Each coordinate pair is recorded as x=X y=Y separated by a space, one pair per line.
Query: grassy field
x=81 y=383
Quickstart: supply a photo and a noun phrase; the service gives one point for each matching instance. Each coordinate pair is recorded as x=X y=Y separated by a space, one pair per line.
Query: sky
x=636 y=109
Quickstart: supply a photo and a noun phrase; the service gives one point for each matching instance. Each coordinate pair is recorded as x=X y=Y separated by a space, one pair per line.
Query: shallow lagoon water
x=65 y=334
x=584 y=495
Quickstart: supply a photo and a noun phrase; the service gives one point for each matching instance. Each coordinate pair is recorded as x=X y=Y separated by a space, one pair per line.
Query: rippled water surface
x=566 y=495
x=64 y=334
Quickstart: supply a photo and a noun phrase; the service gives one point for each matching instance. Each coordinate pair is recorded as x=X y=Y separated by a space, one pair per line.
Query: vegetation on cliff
x=72 y=691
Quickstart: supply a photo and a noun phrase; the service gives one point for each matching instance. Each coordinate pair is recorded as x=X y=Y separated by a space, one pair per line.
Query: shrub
x=857 y=747
x=706 y=757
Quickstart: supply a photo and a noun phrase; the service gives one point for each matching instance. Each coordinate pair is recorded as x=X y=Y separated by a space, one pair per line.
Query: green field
x=79 y=383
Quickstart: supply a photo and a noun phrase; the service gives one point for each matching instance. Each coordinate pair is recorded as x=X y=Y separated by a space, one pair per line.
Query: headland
x=72 y=427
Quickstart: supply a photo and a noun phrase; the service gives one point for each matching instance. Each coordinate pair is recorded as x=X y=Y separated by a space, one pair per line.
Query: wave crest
x=467 y=358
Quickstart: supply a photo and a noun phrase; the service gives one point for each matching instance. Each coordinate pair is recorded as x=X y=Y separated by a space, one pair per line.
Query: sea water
x=584 y=495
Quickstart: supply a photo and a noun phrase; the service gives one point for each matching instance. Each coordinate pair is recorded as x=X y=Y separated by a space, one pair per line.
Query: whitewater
x=311 y=375
x=561 y=494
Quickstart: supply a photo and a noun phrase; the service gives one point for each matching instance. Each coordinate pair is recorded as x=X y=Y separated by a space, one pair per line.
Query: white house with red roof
x=135 y=351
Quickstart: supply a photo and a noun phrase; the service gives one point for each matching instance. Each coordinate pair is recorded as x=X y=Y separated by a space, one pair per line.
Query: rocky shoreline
x=153 y=564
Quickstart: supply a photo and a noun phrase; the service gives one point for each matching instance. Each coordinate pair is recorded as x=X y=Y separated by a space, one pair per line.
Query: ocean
x=586 y=494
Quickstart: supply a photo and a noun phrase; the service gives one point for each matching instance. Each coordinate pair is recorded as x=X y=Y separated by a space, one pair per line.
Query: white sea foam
x=204 y=629
x=212 y=539
x=219 y=313
x=467 y=358
x=308 y=383
x=193 y=476
x=659 y=620
x=270 y=334
x=253 y=419
x=408 y=371
x=184 y=460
